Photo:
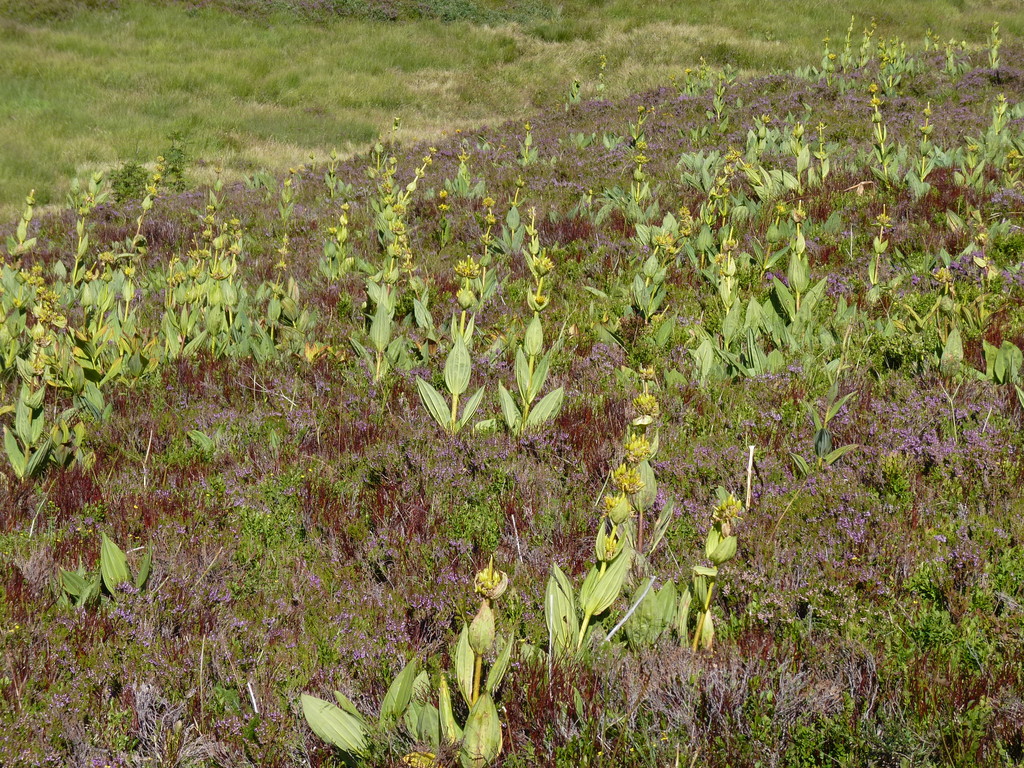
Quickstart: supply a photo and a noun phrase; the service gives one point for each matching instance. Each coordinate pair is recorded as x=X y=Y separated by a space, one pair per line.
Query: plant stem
x=455 y=412
x=640 y=530
x=477 y=674
x=750 y=472
x=583 y=631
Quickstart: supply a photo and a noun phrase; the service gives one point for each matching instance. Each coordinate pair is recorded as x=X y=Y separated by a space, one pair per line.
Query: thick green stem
x=583 y=631
x=478 y=672
x=455 y=412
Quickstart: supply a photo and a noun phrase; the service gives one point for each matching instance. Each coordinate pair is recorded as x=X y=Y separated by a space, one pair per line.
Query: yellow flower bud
x=491 y=582
x=627 y=479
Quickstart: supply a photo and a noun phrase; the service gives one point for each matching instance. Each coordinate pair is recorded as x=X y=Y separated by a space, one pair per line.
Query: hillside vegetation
x=265 y=84
x=664 y=429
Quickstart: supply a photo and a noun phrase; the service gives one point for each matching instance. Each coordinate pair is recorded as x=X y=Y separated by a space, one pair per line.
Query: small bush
x=175 y=162
x=128 y=182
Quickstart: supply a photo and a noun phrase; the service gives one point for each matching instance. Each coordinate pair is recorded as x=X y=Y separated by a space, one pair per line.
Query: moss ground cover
x=222 y=390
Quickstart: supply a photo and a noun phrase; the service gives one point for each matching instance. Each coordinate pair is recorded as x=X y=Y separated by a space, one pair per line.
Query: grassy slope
x=104 y=86
x=872 y=617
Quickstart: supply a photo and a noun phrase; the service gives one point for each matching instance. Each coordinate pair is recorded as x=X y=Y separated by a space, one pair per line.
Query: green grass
x=108 y=82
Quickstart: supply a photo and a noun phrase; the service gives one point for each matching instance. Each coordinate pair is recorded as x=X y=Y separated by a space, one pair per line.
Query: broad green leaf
x=202 y=441
x=993 y=370
x=482 y=741
x=464 y=665
x=346 y=704
x=560 y=611
x=704 y=356
x=642 y=626
x=112 y=371
x=798 y=272
x=423 y=317
x=822 y=443
x=579 y=705
x=91 y=594
x=609 y=337
x=814 y=295
x=14 y=454
x=467 y=336
x=645 y=498
x=703 y=570
x=435 y=404
x=360 y=350
x=724 y=551
x=713 y=540
x=754 y=315
x=428 y=726
x=547 y=408
x=531 y=654
x=540 y=375
x=485 y=426
x=193 y=346
x=683 y=616
x=803 y=469
x=380 y=328
x=533 y=343
x=334 y=725
x=512 y=218
x=145 y=568
x=38 y=459
x=113 y=564
x=838 y=405
x=33 y=399
x=667 y=597
x=457 y=368
x=784 y=298
x=397 y=353
x=1013 y=360
x=524 y=378
x=600 y=590
x=707 y=635
x=378 y=294
x=509 y=409
x=470 y=408
x=732 y=324
x=803 y=159
x=952 y=354
x=399 y=694
x=500 y=666
x=73 y=583
x=661 y=526
x=664 y=332
x=93 y=400
x=838 y=453
x=23 y=421
x=450 y=730
x=417 y=701
x=641 y=296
